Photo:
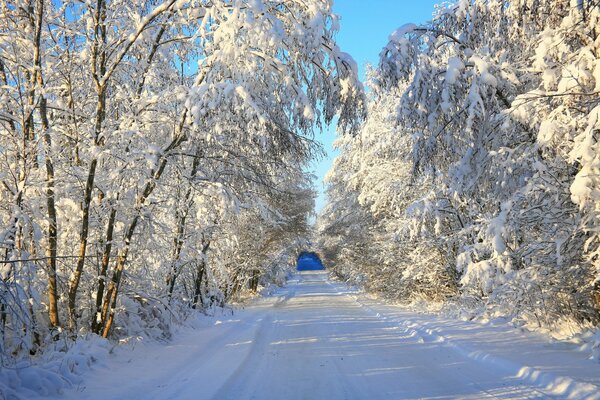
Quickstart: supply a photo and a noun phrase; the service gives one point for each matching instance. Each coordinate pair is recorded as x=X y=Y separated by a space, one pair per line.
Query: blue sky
x=365 y=28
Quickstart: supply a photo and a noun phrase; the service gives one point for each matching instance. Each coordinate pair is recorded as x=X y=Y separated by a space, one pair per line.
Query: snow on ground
x=316 y=339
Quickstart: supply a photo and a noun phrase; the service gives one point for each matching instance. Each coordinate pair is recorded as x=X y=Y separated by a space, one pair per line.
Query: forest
x=155 y=162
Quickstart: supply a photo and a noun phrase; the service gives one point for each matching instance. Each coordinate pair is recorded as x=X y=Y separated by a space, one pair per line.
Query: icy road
x=316 y=339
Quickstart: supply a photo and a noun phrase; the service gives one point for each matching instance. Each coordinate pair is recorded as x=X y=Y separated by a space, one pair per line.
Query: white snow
x=483 y=68
x=455 y=67
x=317 y=339
x=399 y=33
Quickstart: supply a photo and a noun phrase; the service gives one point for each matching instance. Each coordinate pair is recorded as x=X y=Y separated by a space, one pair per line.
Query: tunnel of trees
x=309 y=261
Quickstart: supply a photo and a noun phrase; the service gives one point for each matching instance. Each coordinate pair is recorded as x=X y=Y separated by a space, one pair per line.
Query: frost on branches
x=476 y=177
x=152 y=157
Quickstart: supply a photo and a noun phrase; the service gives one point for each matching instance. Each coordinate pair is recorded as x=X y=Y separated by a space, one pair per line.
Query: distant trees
x=475 y=174
x=152 y=153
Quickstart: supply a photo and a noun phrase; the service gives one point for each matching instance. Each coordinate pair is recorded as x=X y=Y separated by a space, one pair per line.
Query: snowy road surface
x=319 y=340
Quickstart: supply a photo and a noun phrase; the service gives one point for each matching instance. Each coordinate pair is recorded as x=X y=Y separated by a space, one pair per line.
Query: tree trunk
x=108 y=314
x=254 y=280
x=98 y=55
x=200 y=271
x=181 y=219
x=97 y=317
x=198 y=285
x=177 y=246
x=51 y=248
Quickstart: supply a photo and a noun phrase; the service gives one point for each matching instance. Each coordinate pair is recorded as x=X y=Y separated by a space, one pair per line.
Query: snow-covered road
x=316 y=339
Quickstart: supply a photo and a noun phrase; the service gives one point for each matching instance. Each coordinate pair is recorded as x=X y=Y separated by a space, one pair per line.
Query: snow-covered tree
x=494 y=116
x=152 y=155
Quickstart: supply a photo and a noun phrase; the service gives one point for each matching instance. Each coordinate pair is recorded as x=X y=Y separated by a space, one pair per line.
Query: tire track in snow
x=245 y=375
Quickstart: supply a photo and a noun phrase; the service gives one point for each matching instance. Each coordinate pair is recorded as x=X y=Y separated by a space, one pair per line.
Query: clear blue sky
x=365 y=28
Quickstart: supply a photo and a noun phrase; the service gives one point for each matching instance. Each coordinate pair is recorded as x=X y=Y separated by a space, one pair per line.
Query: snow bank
x=54 y=371
x=512 y=360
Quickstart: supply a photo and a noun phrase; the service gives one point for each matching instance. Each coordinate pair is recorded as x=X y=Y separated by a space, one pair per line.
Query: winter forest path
x=316 y=339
